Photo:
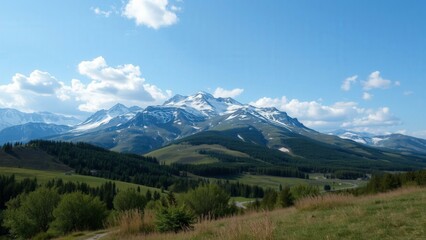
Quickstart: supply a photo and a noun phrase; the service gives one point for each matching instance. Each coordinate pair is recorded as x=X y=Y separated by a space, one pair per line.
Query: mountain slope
x=116 y=115
x=397 y=142
x=179 y=117
x=12 y=117
x=26 y=132
x=246 y=146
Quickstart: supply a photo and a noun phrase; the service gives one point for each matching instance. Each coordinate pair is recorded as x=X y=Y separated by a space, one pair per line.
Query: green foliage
x=87 y=159
x=174 y=219
x=30 y=214
x=129 y=199
x=285 y=198
x=10 y=188
x=269 y=200
x=209 y=201
x=301 y=191
x=327 y=187
x=78 y=212
x=388 y=181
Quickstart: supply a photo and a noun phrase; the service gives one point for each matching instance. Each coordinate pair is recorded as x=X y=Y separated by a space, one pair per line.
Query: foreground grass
x=393 y=215
x=44 y=176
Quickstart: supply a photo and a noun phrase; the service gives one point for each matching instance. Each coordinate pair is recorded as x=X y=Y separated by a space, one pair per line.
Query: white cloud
x=100 y=12
x=379 y=117
x=151 y=13
x=220 y=92
x=110 y=85
x=340 y=114
x=408 y=93
x=376 y=81
x=397 y=83
x=38 y=82
x=346 y=85
x=367 y=96
x=107 y=85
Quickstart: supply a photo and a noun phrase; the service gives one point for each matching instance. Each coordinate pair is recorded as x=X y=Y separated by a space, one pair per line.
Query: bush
x=209 y=201
x=302 y=191
x=174 y=219
x=327 y=187
x=77 y=212
x=269 y=199
x=30 y=214
x=129 y=199
x=285 y=198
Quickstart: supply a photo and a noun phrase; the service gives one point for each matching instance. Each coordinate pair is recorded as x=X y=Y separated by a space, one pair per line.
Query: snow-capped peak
x=204 y=104
x=118 y=109
x=118 y=112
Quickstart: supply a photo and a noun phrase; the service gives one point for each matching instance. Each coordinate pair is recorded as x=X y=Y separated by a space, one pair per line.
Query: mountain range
x=160 y=129
x=398 y=142
x=11 y=117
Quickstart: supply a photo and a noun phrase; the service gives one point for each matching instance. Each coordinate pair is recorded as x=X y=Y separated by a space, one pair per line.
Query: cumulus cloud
x=346 y=85
x=38 y=82
x=110 y=85
x=367 y=96
x=376 y=81
x=107 y=85
x=340 y=114
x=220 y=92
x=379 y=117
x=151 y=13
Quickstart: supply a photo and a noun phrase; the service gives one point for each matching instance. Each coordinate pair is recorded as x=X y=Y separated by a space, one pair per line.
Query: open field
x=189 y=154
x=44 y=176
x=393 y=215
x=315 y=179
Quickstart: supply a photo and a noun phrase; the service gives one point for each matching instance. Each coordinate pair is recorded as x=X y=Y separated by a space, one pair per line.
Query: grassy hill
x=44 y=176
x=31 y=158
x=305 y=153
x=392 y=215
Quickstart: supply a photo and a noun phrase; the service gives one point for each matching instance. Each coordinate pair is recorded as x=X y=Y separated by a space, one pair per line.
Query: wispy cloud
x=347 y=83
x=100 y=12
x=367 y=96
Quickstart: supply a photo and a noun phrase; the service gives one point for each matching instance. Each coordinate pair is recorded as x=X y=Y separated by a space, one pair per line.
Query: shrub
x=285 y=198
x=269 y=199
x=77 y=211
x=30 y=214
x=302 y=191
x=129 y=199
x=174 y=219
x=209 y=200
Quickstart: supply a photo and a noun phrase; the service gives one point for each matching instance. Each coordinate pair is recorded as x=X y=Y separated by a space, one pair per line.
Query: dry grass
x=132 y=222
x=260 y=228
x=392 y=215
x=324 y=201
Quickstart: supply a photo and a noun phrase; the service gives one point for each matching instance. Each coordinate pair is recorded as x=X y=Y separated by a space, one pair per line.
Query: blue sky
x=76 y=57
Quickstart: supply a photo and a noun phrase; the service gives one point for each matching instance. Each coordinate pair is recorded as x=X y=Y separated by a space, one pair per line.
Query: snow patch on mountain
x=284 y=149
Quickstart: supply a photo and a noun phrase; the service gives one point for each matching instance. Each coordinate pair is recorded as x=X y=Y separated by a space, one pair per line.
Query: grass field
x=393 y=215
x=315 y=179
x=188 y=154
x=44 y=176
